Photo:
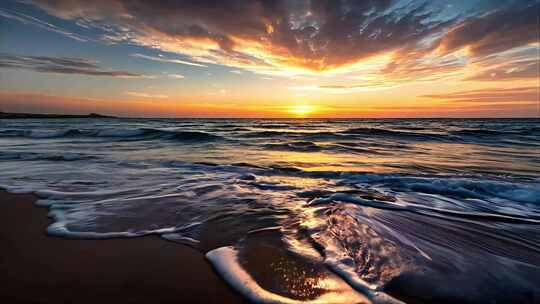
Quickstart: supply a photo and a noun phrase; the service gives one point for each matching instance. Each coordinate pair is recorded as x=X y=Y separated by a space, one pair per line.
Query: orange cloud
x=370 y=45
x=519 y=95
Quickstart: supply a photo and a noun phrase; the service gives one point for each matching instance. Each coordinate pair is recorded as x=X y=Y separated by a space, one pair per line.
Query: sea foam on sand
x=226 y=262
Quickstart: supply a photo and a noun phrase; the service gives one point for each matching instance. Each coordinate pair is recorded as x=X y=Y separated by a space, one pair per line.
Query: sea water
x=400 y=209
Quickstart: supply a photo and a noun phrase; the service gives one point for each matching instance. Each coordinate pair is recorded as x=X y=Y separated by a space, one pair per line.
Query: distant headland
x=4 y=115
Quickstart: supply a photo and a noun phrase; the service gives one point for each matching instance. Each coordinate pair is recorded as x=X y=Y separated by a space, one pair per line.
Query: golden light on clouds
x=281 y=59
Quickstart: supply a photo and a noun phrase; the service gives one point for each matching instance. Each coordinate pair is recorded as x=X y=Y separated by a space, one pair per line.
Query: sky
x=282 y=58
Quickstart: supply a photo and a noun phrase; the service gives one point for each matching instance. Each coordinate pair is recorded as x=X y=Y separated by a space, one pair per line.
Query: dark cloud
x=314 y=34
x=492 y=95
x=59 y=65
x=497 y=31
x=317 y=35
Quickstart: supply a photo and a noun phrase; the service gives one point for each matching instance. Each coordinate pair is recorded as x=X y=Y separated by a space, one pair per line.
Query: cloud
x=495 y=32
x=492 y=95
x=26 y=19
x=529 y=69
x=60 y=65
x=302 y=37
x=177 y=76
x=145 y=95
x=346 y=89
x=310 y=35
x=169 y=60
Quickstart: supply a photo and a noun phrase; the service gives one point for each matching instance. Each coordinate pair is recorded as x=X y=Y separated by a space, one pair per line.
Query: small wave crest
x=481 y=132
x=182 y=135
x=34 y=156
x=40 y=133
x=299 y=146
x=394 y=133
x=139 y=133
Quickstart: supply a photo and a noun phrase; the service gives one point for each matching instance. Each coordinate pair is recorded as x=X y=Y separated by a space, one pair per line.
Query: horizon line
x=111 y=116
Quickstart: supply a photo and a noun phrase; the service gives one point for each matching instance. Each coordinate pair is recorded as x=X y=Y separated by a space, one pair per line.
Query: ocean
x=402 y=210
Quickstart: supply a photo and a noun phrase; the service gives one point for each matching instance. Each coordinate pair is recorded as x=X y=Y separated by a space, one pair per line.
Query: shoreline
x=39 y=268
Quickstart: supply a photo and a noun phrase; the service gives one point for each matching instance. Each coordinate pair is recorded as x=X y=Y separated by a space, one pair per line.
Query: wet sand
x=36 y=268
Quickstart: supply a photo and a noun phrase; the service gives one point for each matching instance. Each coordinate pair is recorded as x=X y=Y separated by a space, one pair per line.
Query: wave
x=265 y=134
x=299 y=146
x=235 y=129
x=184 y=135
x=227 y=126
x=33 y=156
x=274 y=126
x=348 y=135
x=382 y=247
x=477 y=136
x=149 y=133
x=393 y=133
x=41 y=133
x=480 y=132
x=140 y=133
x=478 y=192
x=121 y=132
x=523 y=131
x=533 y=130
x=455 y=186
x=308 y=146
x=295 y=134
x=227 y=262
x=369 y=229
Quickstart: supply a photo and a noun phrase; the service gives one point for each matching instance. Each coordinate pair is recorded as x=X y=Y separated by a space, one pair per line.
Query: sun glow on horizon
x=302 y=110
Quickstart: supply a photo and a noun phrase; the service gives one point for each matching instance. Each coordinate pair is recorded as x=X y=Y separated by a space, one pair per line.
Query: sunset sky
x=231 y=58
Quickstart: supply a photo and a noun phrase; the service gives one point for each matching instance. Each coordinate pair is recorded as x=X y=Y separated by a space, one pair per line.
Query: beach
x=37 y=268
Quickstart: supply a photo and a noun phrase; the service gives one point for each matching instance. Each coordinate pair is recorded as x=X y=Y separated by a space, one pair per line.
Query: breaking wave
x=141 y=133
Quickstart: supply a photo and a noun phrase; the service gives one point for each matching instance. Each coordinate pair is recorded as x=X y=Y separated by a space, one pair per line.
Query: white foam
x=225 y=261
x=351 y=277
x=461 y=186
x=61 y=222
x=354 y=200
x=179 y=238
x=53 y=194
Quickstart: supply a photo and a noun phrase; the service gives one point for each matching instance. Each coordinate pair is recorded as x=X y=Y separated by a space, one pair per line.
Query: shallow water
x=428 y=210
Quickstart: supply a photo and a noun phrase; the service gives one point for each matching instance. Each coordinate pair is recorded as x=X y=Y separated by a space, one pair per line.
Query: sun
x=303 y=110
